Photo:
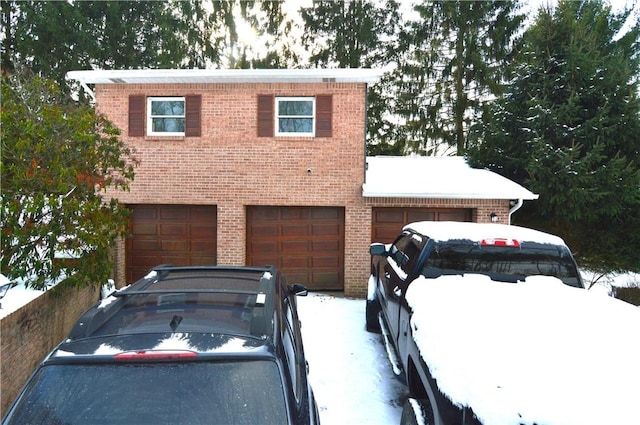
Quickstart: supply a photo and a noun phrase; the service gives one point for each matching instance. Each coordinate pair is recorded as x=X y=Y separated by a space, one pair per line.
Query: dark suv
x=183 y=345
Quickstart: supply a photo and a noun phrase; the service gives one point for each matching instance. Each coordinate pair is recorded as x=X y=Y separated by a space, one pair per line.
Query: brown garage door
x=306 y=243
x=182 y=235
x=388 y=222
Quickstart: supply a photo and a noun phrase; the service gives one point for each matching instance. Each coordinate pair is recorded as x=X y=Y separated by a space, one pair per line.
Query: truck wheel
x=417 y=412
x=372 y=311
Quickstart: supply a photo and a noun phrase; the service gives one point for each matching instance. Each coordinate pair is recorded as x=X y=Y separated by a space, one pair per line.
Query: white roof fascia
x=436 y=178
x=183 y=76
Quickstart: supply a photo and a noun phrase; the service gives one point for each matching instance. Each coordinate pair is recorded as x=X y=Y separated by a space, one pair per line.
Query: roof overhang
x=436 y=178
x=182 y=76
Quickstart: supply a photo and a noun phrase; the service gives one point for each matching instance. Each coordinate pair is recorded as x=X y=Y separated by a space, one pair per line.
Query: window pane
x=296 y=107
x=168 y=125
x=295 y=125
x=167 y=107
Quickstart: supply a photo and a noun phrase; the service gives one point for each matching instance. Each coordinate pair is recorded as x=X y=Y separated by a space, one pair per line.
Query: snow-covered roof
x=449 y=230
x=436 y=177
x=178 y=76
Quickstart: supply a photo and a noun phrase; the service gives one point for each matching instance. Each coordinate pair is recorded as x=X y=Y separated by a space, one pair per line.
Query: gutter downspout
x=515 y=208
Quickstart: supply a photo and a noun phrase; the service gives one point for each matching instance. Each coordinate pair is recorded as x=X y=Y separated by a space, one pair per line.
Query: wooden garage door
x=182 y=235
x=388 y=222
x=306 y=243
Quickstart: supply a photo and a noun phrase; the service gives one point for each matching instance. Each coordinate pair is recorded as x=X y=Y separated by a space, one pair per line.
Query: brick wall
x=30 y=333
x=230 y=167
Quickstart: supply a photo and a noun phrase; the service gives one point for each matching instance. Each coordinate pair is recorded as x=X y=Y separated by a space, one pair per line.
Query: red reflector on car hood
x=500 y=242
x=155 y=355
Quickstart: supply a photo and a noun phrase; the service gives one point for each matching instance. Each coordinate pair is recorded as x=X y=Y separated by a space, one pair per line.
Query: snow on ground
x=533 y=352
x=348 y=366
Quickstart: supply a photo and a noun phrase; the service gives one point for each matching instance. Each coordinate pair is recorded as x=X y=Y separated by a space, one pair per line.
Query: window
x=166 y=116
x=295 y=116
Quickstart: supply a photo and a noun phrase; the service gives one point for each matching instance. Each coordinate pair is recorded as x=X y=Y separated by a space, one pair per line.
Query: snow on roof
x=450 y=230
x=533 y=352
x=178 y=76
x=436 y=177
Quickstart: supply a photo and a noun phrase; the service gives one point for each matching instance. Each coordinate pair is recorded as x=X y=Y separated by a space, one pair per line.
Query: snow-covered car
x=184 y=345
x=490 y=324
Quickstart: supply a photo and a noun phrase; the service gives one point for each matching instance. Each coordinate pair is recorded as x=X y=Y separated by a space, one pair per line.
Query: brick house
x=267 y=167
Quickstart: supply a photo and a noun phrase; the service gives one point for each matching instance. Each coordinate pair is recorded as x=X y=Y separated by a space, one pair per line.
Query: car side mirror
x=299 y=290
x=377 y=249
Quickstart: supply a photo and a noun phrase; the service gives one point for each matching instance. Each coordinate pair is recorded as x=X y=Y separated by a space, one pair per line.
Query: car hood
x=536 y=352
x=203 y=343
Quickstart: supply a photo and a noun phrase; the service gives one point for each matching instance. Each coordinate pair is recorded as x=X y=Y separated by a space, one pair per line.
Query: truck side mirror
x=299 y=290
x=378 y=249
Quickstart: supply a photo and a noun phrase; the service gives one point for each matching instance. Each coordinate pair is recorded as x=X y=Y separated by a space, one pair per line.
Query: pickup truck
x=491 y=324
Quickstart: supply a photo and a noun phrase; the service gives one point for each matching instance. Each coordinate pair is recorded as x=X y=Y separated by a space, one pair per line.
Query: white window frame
x=150 y=117
x=278 y=116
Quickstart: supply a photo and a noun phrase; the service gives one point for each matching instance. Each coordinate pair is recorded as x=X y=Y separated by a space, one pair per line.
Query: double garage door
x=182 y=235
x=306 y=243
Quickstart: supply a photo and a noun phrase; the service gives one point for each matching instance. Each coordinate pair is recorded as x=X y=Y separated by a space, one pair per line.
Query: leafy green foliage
x=58 y=159
x=568 y=128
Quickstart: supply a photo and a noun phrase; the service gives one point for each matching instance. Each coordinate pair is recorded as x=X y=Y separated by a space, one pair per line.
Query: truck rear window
x=503 y=263
x=248 y=392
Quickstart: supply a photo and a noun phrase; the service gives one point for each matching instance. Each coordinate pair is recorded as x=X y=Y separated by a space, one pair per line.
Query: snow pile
x=533 y=352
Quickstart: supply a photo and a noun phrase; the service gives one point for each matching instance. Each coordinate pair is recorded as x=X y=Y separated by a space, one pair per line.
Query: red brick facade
x=230 y=167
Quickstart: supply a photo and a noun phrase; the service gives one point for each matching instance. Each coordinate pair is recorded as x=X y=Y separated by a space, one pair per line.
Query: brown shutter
x=323 y=115
x=136 y=116
x=265 y=115
x=193 y=105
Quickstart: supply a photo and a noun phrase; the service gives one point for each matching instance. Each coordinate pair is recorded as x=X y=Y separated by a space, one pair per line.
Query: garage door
x=388 y=222
x=182 y=235
x=306 y=243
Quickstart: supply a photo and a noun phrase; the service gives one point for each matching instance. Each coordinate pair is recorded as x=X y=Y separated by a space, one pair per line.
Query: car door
x=395 y=279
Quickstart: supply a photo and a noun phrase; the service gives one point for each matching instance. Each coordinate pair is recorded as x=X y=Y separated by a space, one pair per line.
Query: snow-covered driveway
x=348 y=367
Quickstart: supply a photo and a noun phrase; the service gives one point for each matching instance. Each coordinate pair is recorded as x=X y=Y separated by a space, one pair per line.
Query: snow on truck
x=490 y=324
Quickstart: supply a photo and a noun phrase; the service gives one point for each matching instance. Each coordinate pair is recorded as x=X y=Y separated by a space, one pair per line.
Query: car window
x=239 y=392
x=500 y=263
x=407 y=249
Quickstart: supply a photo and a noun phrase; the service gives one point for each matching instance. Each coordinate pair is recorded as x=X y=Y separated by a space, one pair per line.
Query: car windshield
x=241 y=392
x=509 y=264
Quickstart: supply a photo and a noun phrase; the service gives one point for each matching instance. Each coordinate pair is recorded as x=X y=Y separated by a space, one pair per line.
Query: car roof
x=233 y=303
x=454 y=230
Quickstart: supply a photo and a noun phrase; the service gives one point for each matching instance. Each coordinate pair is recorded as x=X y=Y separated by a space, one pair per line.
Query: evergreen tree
x=454 y=58
x=54 y=37
x=358 y=34
x=569 y=130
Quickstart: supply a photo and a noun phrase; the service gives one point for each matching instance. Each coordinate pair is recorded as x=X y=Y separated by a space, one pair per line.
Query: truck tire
x=371 y=312
x=416 y=412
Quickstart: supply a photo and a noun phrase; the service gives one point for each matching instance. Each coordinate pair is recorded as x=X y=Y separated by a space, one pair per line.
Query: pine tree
x=569 y=129
x=355 y=34
x=455 y=56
